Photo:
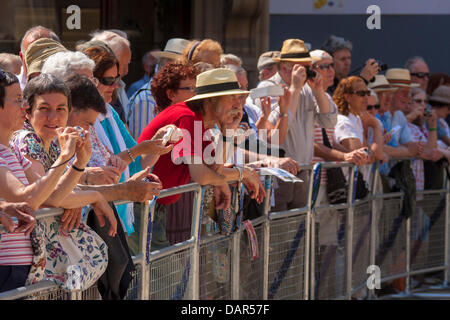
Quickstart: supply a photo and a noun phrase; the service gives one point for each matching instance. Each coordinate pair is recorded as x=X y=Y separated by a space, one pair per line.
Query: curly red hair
x=344 y=86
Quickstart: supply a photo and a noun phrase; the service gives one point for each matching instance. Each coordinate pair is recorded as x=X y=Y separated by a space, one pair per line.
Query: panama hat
x=173 y=49
x=400 y=78
x=216 y=82
x=381 y=84
x=267 y=58
x=441 y=94
x=295 y=50
x=38 y=52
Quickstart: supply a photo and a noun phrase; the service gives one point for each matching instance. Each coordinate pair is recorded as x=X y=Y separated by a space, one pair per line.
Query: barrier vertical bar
x=446 y=235
x=373 y=224
x=145 y=270
x=349 y=233
x=308 y=235
x=312 y=277
x=266 y=238
x=195 y=232
x=235 y=255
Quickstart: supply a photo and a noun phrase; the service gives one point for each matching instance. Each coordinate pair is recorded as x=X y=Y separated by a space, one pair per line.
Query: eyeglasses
x=325 y=66
x=376 y=107
x=361 y=93
x=109 y=81
x=421 y=101
x=187 y=88
x=421 y=74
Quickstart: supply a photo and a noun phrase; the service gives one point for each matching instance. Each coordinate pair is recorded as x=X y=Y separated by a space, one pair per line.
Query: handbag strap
x=326 y=142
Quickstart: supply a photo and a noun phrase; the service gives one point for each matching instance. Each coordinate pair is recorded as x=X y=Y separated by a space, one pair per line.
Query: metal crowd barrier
x=320 y=251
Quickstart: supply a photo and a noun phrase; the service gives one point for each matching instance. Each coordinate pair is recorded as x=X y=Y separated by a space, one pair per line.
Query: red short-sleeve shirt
x=172 y=168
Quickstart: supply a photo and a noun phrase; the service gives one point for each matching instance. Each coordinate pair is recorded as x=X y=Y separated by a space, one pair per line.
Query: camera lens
x=310 y=74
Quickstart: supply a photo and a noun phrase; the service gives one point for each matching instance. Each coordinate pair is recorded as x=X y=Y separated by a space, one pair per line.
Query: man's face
x=326 y=69
x=269 y=71
x=401 y=98
x=124 y=60
x=228 y=111
x=342 y=62
x=286 y=70
x=385 y=99
x=420 y=74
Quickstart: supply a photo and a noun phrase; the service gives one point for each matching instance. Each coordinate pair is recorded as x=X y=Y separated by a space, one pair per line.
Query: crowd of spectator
x=75 y=136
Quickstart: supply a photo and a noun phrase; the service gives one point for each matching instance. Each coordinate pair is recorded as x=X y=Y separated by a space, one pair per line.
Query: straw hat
x=267 y=58
x=38 y=52
x=173 y=49
x=294 y=50
x=400 y=78
x=381 y=84
x=441 y=94
x=216 y=82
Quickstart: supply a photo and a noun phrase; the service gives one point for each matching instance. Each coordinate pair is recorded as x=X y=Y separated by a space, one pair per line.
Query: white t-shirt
x=348 y=127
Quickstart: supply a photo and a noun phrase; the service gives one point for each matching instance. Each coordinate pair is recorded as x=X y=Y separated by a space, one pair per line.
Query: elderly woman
x=112 y=131
x=22 y=183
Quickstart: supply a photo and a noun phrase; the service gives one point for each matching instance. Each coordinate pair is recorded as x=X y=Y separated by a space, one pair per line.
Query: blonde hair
x=344 y=86
x=191 y=53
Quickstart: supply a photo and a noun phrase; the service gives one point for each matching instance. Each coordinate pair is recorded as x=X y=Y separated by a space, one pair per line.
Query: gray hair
x=413 y=60
x=229 y=58
x=235 y=69
x=116 y=42
x=38 y=32
x=417 y=90
x=63 y=64
x=335 y=43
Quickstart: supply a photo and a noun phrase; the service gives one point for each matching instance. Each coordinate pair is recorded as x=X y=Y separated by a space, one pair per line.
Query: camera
x=310 y=74
x=80 y=131
x=381 y=66
x=427 y=112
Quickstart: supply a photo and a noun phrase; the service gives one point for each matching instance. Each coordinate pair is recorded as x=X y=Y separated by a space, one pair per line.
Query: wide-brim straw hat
x=38 y=52
x=381 y=84
x=441 y=94
x=400 y=78
x=173 y=49
x=215 y=83
x=294 y=50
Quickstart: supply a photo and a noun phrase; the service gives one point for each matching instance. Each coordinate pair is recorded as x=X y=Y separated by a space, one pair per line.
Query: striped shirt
x=140 y=110
x=15 y=247
x=318 y=138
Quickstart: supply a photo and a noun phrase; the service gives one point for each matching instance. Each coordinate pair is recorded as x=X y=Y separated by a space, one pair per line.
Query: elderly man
x=341 y=49
x=308 y=102
x=121 y=48
x=149 y=64
x=420 y=73
x=31 y=35
x=142 y=103
x=267 y=66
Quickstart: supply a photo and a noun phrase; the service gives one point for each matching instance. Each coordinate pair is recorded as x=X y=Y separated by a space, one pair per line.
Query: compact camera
x=80 y=131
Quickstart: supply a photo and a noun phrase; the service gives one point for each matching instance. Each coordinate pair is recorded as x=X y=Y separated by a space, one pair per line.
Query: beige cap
x=266 y=59
x=216 y=82
x=173 y=49
x=38 y=52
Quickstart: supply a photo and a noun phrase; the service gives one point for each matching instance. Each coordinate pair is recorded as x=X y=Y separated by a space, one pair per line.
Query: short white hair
x=113 y=40
x=229 y=58
x=64 y=64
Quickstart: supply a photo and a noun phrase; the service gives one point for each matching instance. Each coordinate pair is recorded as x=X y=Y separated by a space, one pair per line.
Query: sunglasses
x=421 y=74
x=187 y=88
x=325 y=66
x=376 y=107
x=361 y=93
x=109 y=81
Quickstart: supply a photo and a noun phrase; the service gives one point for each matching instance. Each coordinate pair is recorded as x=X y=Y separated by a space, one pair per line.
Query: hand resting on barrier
x=139 y=190
x=71 y=218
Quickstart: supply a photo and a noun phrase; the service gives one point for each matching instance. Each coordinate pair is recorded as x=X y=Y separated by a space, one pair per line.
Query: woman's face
x=372 y=102
x=418 y=101
x=106 y=90
x=49 y=113
x=186 y=90
x=83 y=118
x=12 y=115
x=357 y=102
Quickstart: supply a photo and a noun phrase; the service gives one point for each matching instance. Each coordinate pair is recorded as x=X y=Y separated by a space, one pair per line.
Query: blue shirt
x=140 y=110
x=135 y=86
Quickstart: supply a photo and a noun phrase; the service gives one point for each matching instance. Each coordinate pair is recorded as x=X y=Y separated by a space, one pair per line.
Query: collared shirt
x=122 y=96
x=140 y=110
x=299 y=141
x=389 y=121
x=135 y=86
